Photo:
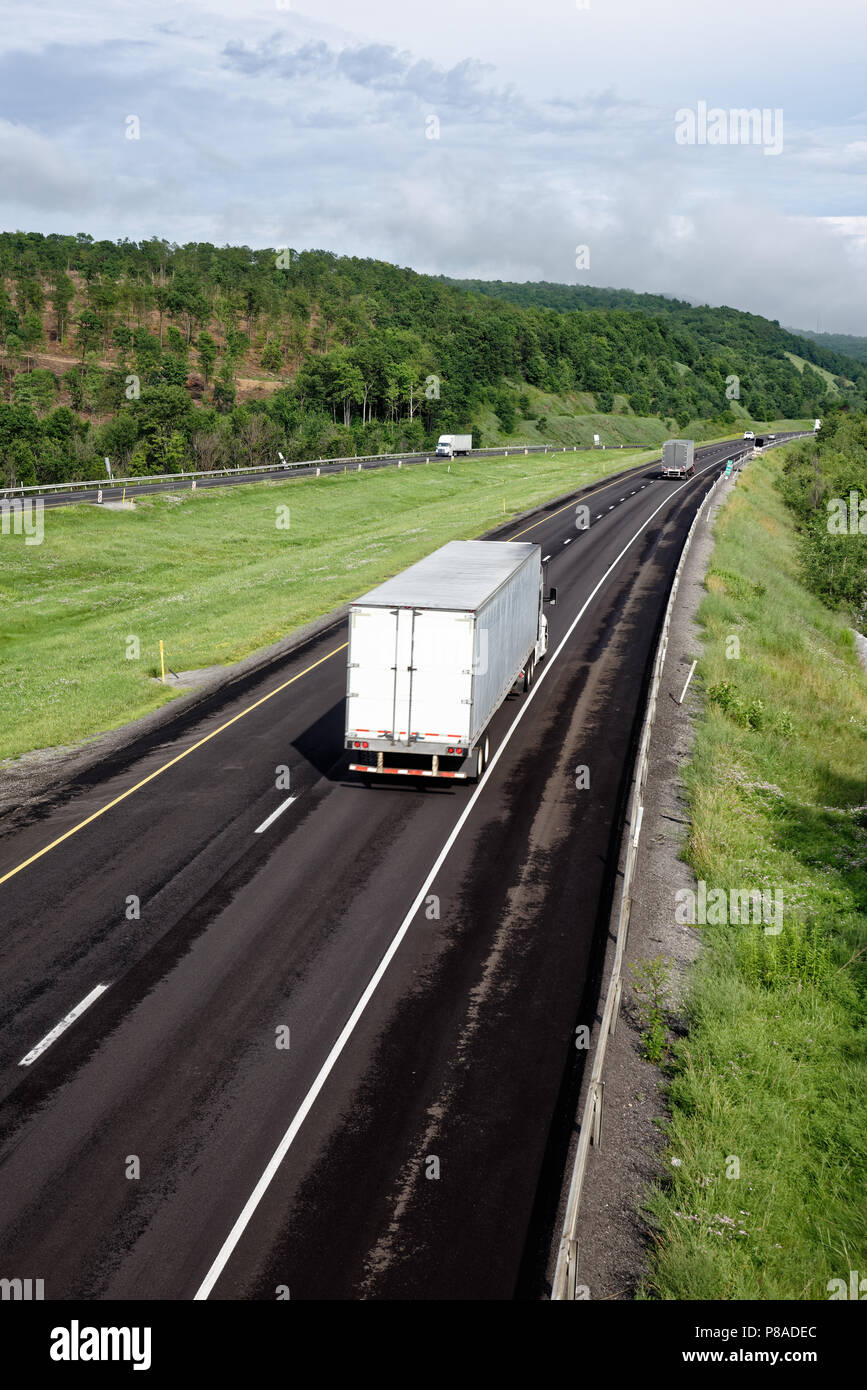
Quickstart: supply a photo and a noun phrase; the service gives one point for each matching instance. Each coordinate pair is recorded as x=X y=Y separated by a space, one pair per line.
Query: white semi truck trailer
x=450 y=445
x=678 y=458
x=434 y=652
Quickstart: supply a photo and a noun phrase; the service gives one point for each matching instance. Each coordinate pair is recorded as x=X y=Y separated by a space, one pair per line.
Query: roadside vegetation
x=214 y=576
x=825 y=484
x=766 y=1152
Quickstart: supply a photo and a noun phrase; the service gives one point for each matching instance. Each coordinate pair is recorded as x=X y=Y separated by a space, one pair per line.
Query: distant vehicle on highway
x=434 y=652
x=749 y=434
x=678 y=458
x=772 y=436
x=450 y=445
x=817 y=425
x=759 y=442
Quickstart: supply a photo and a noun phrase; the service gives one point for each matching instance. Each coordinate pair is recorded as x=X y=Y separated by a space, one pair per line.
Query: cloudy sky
x=485 y=138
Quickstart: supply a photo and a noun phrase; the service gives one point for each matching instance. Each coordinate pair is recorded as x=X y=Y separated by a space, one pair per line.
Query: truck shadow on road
x=321 y=745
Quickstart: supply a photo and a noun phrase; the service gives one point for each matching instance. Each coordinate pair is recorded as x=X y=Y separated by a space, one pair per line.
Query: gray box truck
x=434 y=652
x=678 y=458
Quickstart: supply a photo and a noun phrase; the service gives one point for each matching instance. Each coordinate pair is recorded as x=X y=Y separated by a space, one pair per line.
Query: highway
x=327 y=1048
x=128 y=490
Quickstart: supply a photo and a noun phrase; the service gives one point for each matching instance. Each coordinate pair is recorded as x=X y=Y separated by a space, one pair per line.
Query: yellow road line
x=565 y=508
x=171 y=763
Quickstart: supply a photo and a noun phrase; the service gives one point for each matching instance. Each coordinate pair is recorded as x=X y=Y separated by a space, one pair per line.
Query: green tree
x=504 y=406
x=62 y=293
x=122 y=336
x=38 y=389
x=271 y=358
x=89 y=332
x=207 y=350
x=176 y=342
x=163 y=416
x=32 y=332
x=19 y=464
x=224 y=389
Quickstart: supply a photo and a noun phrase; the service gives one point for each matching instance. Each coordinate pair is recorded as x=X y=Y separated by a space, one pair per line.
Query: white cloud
x=270 y=126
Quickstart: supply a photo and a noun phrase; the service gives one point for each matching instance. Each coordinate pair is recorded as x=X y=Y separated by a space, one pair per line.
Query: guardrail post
x=596 y=1135
x=616 y=1010
x=627 y=909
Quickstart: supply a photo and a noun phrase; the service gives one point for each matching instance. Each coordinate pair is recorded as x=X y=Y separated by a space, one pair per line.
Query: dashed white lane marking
x=274 y=814
x=611 y=508
x=62 y=1026
x=545 y=557
x=568 y=540
x=598 y=516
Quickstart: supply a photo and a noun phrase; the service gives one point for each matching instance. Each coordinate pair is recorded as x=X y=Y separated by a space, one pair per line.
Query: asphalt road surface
x=333 y=1052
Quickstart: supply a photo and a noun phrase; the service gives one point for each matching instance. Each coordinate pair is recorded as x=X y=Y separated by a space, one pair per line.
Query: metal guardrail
x=565 y=1281
x=145 y=480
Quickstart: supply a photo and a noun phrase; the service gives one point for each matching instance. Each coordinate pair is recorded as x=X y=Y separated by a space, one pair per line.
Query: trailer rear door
x=410 y=675
x=442 y=684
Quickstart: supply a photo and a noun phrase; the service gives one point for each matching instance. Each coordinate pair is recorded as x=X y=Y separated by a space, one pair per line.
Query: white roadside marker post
x=688 y=679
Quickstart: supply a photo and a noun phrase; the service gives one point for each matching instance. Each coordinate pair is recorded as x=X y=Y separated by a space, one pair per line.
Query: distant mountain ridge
x=847 y=344
x=834 y=352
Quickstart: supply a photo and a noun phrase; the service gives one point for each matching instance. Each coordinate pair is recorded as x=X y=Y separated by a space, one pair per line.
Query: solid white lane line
x=62 y=1026
x=226 y=1249
x=274 y=814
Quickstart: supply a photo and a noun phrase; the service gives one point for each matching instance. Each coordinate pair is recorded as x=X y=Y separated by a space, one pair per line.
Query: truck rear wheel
x=529 y=673
x=483 y=752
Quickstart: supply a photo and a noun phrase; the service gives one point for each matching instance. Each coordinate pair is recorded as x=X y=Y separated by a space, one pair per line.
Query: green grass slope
x=215 y=577
x=770 y=1083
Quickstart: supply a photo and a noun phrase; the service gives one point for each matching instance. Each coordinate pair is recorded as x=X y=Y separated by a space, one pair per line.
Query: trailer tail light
x=365 y=745
x=356 y=744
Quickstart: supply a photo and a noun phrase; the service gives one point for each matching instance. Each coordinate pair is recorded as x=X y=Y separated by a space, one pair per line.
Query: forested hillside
x=723 y=328
x=844 y=343
x=166 y=357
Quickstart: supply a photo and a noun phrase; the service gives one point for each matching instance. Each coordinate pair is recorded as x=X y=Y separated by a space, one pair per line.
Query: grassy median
x=223 y=572
x=767 y=1150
